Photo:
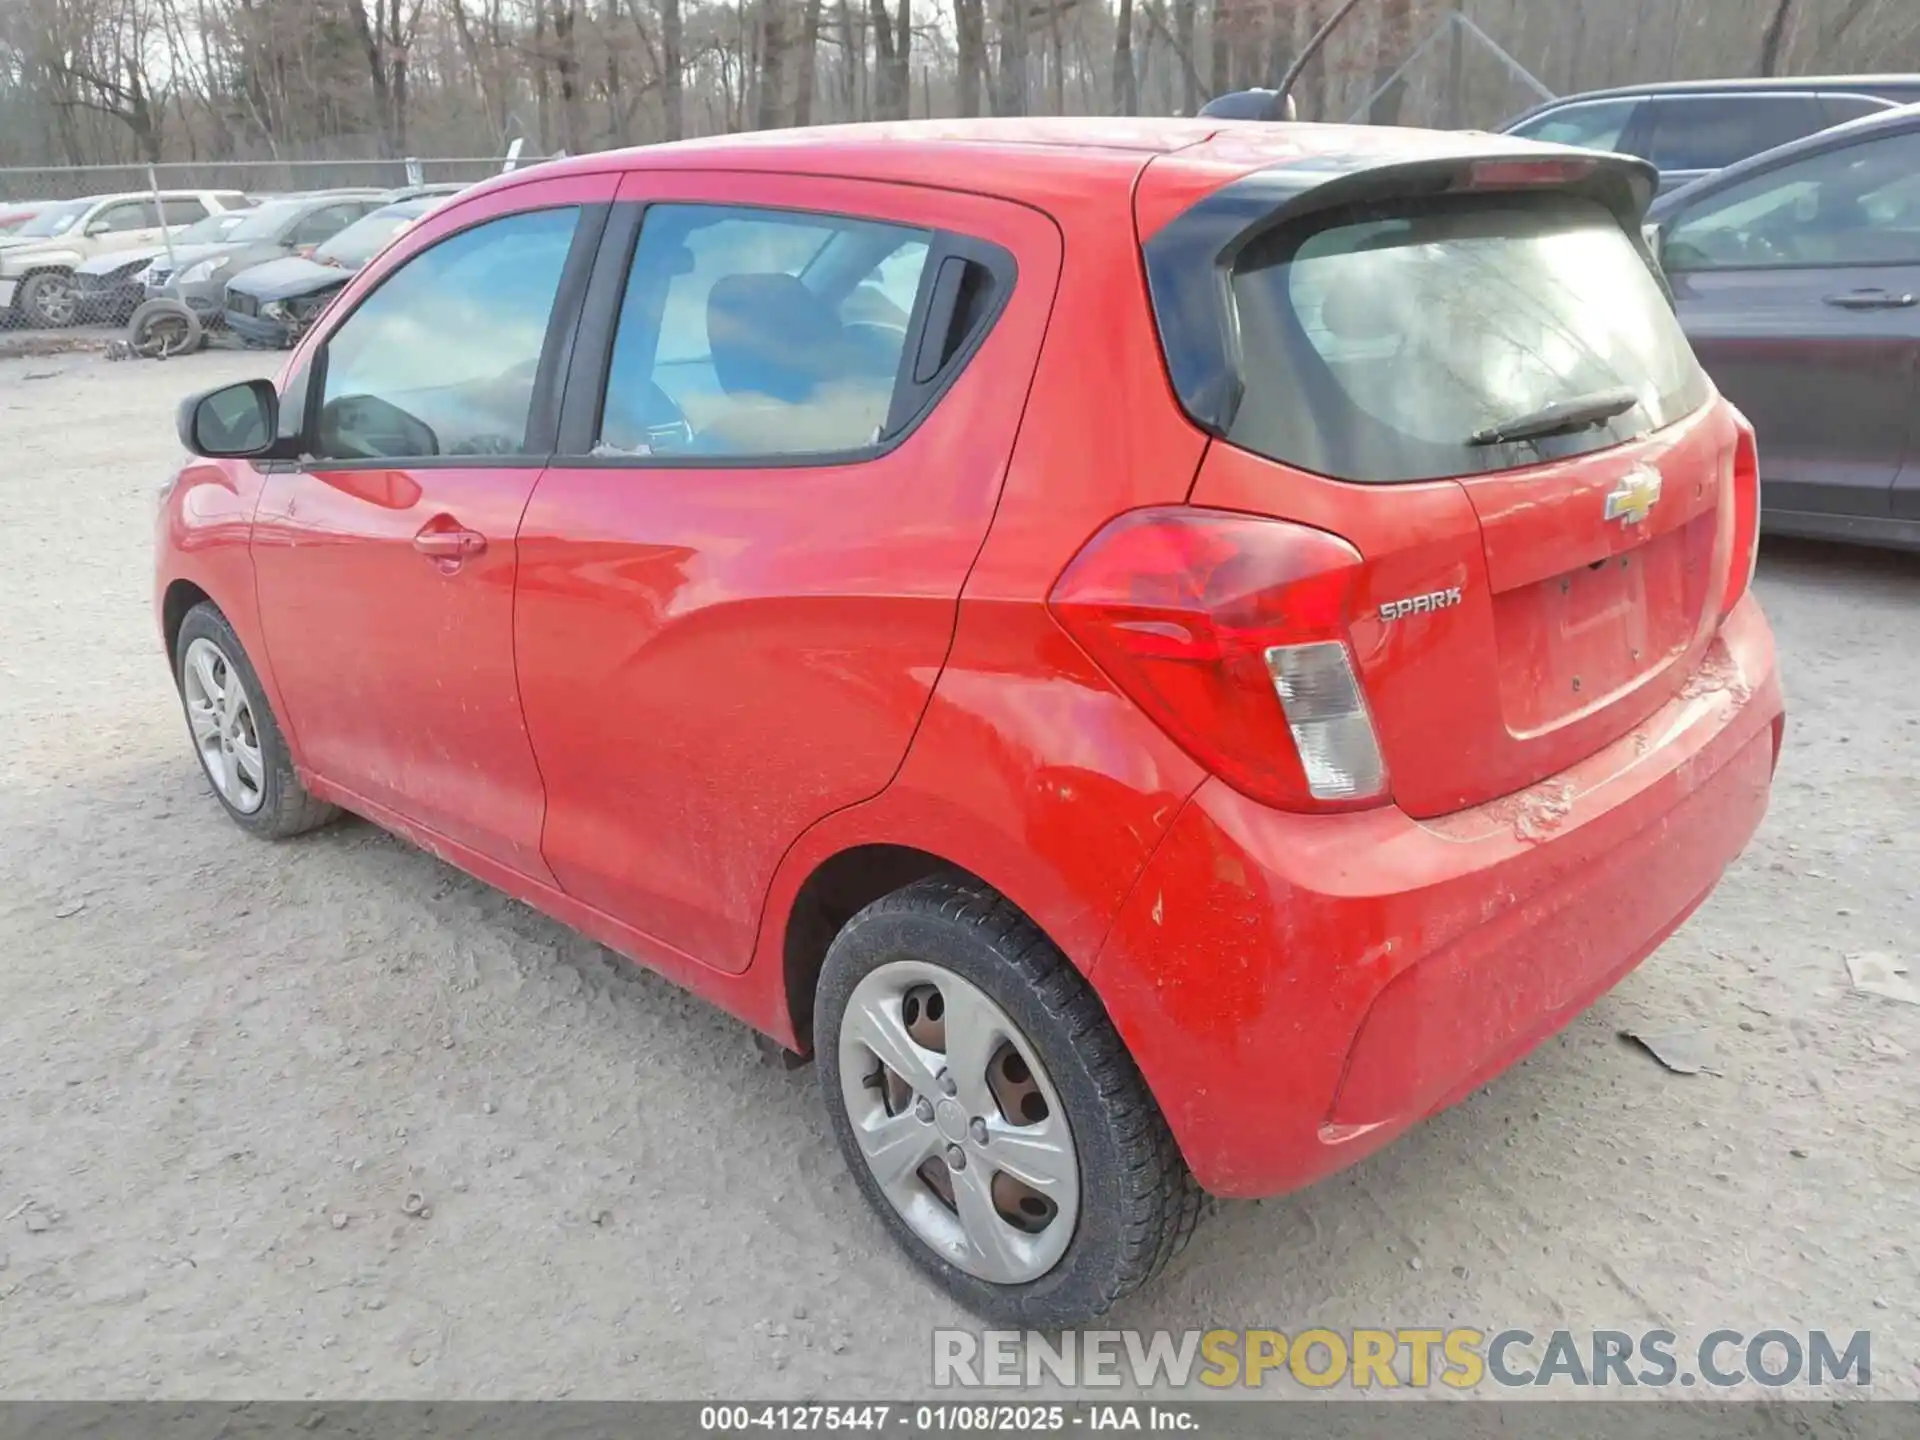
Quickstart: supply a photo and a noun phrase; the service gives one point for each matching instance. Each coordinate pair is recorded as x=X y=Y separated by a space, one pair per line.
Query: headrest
x=770 y=335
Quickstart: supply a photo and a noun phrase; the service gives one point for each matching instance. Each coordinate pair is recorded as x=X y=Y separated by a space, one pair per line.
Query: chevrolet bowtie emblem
x=1634 y=497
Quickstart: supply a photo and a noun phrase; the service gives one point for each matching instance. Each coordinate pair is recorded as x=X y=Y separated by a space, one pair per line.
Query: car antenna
x=1307 y=52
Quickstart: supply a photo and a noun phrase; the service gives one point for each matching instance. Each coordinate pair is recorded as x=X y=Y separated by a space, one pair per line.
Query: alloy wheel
x=57 y=301
x=221 y=716
x=959 y=1122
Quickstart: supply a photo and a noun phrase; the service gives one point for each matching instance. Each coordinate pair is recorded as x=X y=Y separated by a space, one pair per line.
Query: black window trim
x=1674 y=221
x=591 y=361
x=550 y=376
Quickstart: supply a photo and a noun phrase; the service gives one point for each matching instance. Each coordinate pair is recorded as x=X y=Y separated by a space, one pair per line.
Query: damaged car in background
x=271 y=305
x=37 y=277
x=111 y=286
x=299 y=225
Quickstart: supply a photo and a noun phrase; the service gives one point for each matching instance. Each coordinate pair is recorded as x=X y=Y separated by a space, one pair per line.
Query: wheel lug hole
x=978 y=1129
x=956 y=1158
x=947 y=1087
x=923 y=1110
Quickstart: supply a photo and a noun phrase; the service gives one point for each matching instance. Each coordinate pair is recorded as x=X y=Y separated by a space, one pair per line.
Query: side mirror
x=1650 y=232
x=235 y=422
x=98 y=227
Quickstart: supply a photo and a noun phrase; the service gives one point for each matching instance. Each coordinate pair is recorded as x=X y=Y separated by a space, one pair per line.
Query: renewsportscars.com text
x=1408 y=1357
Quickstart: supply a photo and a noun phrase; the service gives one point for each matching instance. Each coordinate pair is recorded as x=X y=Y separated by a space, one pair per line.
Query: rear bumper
x=1298 y=990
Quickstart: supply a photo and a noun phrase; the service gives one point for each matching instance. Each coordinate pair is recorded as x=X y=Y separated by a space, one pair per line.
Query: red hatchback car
x=1163 y=653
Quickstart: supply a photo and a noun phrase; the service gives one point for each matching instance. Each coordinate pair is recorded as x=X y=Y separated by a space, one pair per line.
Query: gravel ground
x=225 y=1066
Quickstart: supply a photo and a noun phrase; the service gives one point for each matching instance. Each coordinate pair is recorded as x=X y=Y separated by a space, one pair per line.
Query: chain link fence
x=255 y=177
x=259 y=178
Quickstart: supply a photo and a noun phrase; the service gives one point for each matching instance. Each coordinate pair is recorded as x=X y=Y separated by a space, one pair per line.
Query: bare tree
x=1393 y=39
x=1774 y=38
x=93 y=81
x=770 y=113
x=1126 y=94
x=970 y=39
x=1010 y=75
x=1182 y=41
x=892 y=57
x=387 y=36
x=672 y=49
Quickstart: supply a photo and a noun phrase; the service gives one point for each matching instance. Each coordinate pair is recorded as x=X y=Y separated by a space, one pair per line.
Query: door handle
x=1873 y=300
x=455 y=543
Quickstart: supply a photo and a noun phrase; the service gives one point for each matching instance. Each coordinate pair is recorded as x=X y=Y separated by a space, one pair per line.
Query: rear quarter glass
x=1374 y=342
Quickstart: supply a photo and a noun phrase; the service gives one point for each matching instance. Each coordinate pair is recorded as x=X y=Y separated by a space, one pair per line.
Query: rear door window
x=760 y=333
x=1386 y=345
x=1857 y=205
x=1707 y=132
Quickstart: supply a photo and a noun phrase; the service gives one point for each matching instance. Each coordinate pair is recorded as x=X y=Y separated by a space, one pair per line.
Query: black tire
x=159 y=329
x=286 y=808
x=1138 y=1202
x=50 y=299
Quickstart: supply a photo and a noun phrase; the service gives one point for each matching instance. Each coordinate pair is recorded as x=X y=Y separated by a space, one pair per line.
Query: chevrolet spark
x=1161 y=653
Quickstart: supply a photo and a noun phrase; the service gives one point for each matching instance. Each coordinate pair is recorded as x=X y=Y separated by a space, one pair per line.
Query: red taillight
x=1231 y=632
x=1743 y=552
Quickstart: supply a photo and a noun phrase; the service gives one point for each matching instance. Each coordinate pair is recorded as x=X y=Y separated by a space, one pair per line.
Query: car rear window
x=1382 y=345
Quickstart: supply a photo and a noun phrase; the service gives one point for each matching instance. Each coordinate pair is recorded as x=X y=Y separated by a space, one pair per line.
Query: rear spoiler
x=1191 y=258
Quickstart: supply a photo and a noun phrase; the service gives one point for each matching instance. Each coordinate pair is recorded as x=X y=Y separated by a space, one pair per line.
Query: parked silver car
x=36 y=278
x=198 y=275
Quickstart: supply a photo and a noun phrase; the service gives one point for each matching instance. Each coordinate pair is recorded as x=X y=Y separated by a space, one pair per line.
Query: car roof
x=320 y=197
x=1872 y=85
x=137 y=195
x=1023 y=159
x=1904 y=120
x=412 y=207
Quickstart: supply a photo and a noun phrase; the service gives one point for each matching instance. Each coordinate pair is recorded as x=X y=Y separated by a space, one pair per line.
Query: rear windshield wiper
x=1563 y=417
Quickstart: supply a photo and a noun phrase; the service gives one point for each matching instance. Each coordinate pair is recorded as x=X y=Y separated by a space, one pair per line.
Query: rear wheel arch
x=840 y=887
x=39 y=270
x=1137 y=1200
